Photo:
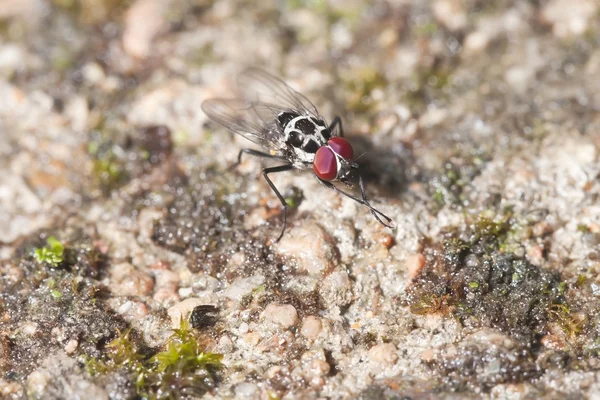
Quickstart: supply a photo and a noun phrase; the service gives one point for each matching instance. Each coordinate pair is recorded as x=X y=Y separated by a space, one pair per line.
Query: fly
x=273 y=115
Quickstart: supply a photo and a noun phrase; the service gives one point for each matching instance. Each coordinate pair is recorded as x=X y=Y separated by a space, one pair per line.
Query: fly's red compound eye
x=342 y=147
x=325 y=164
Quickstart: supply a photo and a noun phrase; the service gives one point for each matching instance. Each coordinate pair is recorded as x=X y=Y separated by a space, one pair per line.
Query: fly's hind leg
x=284 y=206
x=255 y=153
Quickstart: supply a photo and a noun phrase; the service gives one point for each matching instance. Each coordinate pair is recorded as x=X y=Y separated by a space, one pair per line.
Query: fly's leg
x=284 y=206
x=336 y=121
x=376 y=213
x=255 y=153
x=361 y=184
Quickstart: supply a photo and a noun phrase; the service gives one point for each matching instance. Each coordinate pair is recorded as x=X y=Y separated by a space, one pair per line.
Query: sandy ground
x=478 y=127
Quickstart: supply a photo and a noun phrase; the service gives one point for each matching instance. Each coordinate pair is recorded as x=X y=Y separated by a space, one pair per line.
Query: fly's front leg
x=373 y=211
x=284 y=206
x=376 y=213
x=337 y=121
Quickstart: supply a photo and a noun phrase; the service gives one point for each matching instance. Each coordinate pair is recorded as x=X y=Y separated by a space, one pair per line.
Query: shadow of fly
x=289 y=128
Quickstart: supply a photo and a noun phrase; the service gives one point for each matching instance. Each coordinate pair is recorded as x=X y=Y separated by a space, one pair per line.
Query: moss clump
x=449 y=186
x=570 y=324
x=472 y=277
x=109 y=171
x=52 y=254
x=181 y=369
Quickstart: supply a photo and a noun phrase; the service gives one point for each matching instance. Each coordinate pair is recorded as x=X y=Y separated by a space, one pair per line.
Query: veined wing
x=256 y=122
x=257 y=85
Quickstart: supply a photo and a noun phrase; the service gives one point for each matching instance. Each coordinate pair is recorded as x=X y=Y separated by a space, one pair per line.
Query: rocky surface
x=478 y=127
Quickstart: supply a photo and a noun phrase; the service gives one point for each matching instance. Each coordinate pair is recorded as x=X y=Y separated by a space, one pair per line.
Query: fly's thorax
x=303 y=134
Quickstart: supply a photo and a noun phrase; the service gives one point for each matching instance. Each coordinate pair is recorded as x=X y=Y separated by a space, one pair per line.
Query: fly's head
x=335 y=160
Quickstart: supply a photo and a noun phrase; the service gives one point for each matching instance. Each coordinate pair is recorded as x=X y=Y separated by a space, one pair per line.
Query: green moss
x=182 y=368
x=108 y=169
x=430 y=304
x=471 y=276
x=448 y=186
x=583 y=228
x=52 y=254
x=426 y=30
x=562 y=315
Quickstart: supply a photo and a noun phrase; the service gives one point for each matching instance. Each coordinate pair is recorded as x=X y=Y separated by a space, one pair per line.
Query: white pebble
x=281 y=314
x=311 y=327
x=71 y=346
x=310 y=246
x=384 y=353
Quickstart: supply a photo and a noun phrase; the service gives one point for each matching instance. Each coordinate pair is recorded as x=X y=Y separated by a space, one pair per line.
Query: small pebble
x=310 y=246
x=29 y=328
x=414 y=264
x=315 y=367
x=246 y=390
x=143 y=21
x=225 y=345
x=129 y=281
x=428 y=355
x=384 y=354
x=311 y=327
x=284 y=315
x=71 y=346
x=243 y=286
x=336 y=289
x=243 y=329
x=569 y=17
x=450 y=13
x=252 y=338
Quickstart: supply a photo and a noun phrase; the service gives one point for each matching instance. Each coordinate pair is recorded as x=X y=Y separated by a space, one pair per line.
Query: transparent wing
x=259 y=86
x=256 y=122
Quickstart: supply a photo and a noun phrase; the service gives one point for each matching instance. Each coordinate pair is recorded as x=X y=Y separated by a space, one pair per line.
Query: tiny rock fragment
x=450 y=13
x=384 y=353
x=143 y=21
x=569 y=17
x=246 y=390
x=71 y=346
x=428 y=355
x=414 y=264
x=315 y=367
x=243 y=286
x=10 y=389
x=284 y=315
x=310 y=246
x=311 y=327
x=129 y=281
x=336 y=289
